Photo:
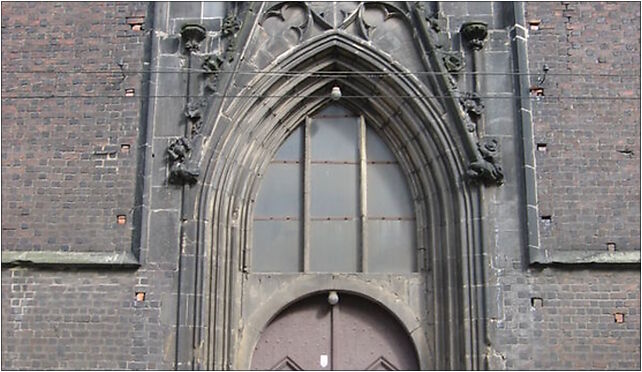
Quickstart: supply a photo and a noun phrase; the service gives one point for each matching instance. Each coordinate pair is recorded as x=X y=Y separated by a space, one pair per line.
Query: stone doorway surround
x=245 y=116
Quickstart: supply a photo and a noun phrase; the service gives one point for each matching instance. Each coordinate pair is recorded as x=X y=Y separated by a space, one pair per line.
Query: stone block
x=164 y=239
x=185 y=9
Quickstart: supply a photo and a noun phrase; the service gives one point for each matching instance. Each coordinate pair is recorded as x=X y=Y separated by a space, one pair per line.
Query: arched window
x=334 y=199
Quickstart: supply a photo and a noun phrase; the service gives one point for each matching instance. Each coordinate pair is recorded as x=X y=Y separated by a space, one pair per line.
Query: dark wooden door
x=354 y=334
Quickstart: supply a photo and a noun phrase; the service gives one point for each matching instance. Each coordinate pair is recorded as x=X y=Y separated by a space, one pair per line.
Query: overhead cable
x=45 y=96
x=315 y=73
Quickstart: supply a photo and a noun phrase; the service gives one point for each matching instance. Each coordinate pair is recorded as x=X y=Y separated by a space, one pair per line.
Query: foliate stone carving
x=180 y=171
x=230 y=50
x=193 y=113
x=437 y=21
x=438 y=25
x=212 y=66
x=231 y=25
x=472 y=104
x=453 y=61
x=475 y=33
x=486 y=168
x=214 y=63
x=192 y=36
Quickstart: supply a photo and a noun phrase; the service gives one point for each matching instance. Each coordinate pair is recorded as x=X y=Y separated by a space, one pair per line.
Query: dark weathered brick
x=64 y=176
x=588 y=179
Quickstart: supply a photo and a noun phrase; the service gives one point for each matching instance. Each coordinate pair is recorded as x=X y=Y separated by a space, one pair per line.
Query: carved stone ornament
x=472 y=104
x=193 y=113
x=453 y=61
x=475 y=33
x=212 y=65
x=192 y=36
x=470 y=126
x=230 y=50
x=345 y=19
x=486 y=168
x=180 y=172
x=438 y=25
x=231 y=25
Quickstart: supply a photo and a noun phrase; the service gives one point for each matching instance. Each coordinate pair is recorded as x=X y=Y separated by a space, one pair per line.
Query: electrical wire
x=316 y=73
x=319 y=96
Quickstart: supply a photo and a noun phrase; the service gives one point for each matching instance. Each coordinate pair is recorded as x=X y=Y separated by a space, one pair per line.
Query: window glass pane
x=376 y=149
x=292 y=148
x=334 y=139
x=388 y=192
x=391 y=246
x=333 y=246
x=334 y=193
x=277 y=246
x=280 y=192
x=334 y=190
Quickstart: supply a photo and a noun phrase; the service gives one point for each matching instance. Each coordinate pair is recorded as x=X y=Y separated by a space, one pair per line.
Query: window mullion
x=363 y=194
x=306 y=195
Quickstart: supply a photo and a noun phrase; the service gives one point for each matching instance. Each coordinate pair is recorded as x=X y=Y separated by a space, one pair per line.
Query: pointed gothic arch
x=433 y=149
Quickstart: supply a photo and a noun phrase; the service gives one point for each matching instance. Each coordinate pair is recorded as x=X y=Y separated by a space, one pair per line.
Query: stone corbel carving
x=192 y=36
x=193 y=113
x=486 y=168
x=180 y=171
x=475 y=33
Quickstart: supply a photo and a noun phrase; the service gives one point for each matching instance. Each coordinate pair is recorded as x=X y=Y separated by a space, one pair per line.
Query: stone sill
x=584 y=257
x=71 y=259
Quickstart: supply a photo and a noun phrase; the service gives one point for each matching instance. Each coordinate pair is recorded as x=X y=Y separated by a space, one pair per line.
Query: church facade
x=321 y=185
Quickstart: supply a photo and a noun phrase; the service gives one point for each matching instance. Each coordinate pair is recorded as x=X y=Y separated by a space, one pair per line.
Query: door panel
x=367 y=337
x=296 y=338
x=355 y=334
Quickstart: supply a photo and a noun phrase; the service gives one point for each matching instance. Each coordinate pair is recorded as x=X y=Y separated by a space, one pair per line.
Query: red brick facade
x=69 y=163
x=588 y=176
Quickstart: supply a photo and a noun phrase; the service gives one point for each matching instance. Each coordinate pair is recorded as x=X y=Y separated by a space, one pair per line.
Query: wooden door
x=354 y=334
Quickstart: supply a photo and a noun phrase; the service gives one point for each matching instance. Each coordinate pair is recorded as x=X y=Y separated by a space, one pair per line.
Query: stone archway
x=433 y=154
x=334 y=331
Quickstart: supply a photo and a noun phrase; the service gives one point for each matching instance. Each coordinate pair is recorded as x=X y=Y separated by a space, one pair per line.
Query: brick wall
x=65 y=179
x=588 y=177
x=67 y=172
x=565 y=319
x=588 y=180
x=58 y=319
